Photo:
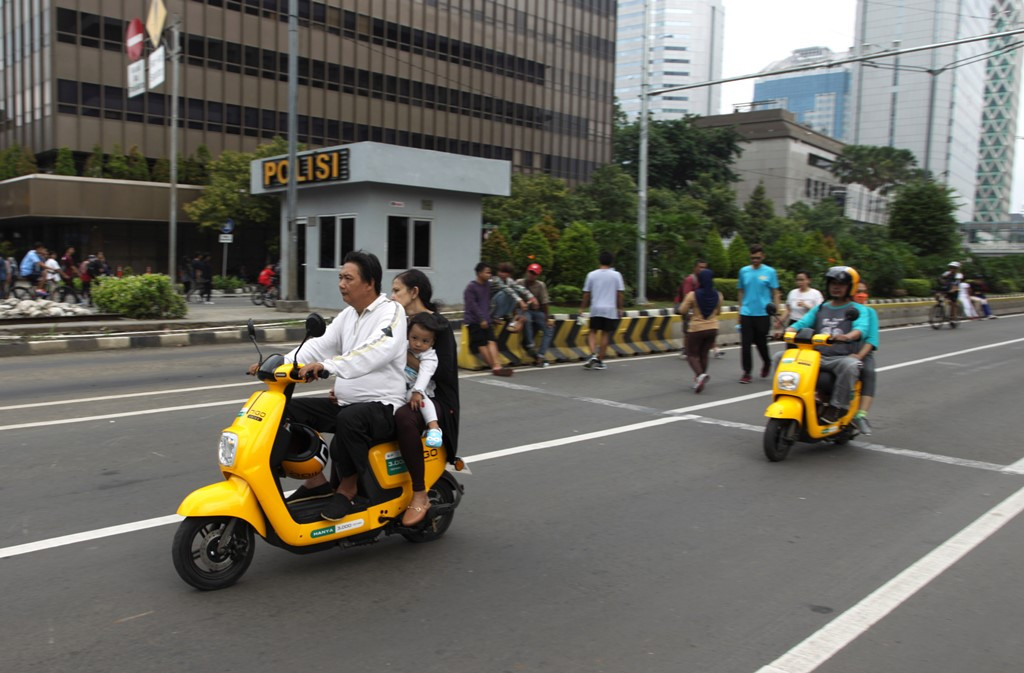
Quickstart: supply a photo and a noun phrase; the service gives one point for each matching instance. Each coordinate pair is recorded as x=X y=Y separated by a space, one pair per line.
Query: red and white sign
x=134 y=39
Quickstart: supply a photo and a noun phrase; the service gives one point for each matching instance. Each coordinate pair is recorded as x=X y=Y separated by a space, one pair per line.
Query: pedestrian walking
x=603 y=292
x=706 y=303
x=757 y=286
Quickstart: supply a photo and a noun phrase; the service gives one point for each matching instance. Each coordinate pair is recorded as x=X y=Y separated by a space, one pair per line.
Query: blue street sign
x=228 y=226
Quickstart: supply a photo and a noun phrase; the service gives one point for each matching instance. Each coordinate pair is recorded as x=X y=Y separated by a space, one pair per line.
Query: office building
x=685 y=47
x=817 y=98
x=955 y=108
x=529 y=83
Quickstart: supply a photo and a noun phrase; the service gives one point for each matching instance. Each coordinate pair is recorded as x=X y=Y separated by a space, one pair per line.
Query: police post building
x=410 y=207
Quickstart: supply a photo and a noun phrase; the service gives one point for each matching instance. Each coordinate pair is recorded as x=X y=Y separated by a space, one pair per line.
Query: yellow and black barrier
x=639 y=332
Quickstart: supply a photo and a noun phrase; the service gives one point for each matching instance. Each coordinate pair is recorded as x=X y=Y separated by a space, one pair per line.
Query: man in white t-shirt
x=603 y=293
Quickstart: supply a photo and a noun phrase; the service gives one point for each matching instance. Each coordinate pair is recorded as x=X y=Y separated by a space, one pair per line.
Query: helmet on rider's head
x=955 y=265
x=844 y=275
x=306 y=454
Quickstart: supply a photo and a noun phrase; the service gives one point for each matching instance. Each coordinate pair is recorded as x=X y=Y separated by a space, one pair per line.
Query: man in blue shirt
x=758 y=285
x=843 y=357
x=32 y=265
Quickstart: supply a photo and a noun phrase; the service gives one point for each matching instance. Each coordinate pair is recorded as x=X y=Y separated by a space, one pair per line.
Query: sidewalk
x=222 y=322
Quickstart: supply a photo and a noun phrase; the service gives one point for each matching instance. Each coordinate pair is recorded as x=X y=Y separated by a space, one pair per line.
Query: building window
x=403 y=240
x=337 y=239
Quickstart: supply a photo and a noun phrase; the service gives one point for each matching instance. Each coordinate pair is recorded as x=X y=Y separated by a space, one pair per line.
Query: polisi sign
x=320 y=166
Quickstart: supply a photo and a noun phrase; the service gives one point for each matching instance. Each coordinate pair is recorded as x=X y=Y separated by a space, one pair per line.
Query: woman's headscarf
x=707 y=296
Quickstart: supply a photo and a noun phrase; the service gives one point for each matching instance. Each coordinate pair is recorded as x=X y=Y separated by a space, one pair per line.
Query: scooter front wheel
x=779 y=436
x=203 y=560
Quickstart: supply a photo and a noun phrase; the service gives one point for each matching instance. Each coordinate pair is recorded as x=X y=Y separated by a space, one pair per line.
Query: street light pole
x=172 y=223
x=289 y=237
x=641 y=207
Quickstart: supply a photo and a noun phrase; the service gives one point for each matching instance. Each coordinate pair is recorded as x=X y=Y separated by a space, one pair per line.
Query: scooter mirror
x=315 y=325
x=852 y=314
x=251 y=327
x=770 y=309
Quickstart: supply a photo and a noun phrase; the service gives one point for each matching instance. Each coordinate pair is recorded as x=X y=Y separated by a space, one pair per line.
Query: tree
x=16 y=161
x=532 y=248
x=138 y=169
x=718 y=201
x=65 y=164
x=94 y=164
x=534 y=199
x=758 y=213
x=922 y=215
x=575 y=255
x=195 y=170
x=117 y=165
x=25 y=163
x=610 y=196
x=875 y=167
x=227 y=194
x=679 y=152
x=495 y=250
x=715 y=255
x=739 y=254
x=161 y=170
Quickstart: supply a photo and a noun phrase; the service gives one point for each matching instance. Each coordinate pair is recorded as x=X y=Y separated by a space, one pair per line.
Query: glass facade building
x=817 y=98
x=685 y=47
x=525 y=81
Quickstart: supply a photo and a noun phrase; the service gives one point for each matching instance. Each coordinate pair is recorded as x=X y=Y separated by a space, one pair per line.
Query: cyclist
x=949 y=284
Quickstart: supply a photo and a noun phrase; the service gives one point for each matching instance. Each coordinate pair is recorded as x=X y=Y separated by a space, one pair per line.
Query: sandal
x=419 y=514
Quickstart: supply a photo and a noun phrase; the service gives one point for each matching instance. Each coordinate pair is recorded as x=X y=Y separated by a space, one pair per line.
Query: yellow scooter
x=215 y=543
x=797 y=387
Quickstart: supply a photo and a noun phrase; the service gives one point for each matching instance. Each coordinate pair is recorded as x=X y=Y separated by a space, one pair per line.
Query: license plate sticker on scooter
x=340 y=528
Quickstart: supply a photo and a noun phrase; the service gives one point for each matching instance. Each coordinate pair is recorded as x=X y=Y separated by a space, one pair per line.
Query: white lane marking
x=907 y=453
x=847 y=627
x=569 y=396
x=88 y=535
x=143 y=412
x=174 y=518
x=79 y=400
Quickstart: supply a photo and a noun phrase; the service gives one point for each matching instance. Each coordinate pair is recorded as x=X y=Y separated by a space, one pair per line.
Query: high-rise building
x=527 y=82
x=817 y=98
x=685 y=46
x=955 y=108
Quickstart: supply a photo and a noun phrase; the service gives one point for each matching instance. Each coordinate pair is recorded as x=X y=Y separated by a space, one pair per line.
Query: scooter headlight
x=788 y=380
x=227 y=448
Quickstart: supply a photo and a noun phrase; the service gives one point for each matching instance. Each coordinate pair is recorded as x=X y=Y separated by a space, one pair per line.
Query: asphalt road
x=634 y=526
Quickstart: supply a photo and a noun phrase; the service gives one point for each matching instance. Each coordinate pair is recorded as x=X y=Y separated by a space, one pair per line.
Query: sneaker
x=862 y=425
x=543 y=363
x=600 y=365
x=830 y=414
x=589 y=364
x=719 y=354
x=745 y=378
x=504 y=371
x=208 y=303
x=434 y=438
x=337 y=508
x=765 y=370
x=302 y=493
x=701 y=382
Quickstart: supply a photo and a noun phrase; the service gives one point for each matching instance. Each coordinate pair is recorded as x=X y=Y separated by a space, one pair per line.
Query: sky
x=758 y=32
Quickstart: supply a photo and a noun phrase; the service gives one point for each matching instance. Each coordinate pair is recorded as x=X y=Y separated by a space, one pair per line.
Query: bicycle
x=266 y=296
x=53 y=290
x=939 y=315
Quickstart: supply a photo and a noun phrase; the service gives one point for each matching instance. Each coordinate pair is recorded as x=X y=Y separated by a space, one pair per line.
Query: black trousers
x=754 y=330
x=356 y=428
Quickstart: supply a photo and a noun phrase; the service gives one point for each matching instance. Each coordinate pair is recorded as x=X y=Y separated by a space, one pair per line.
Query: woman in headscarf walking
x=706 y=303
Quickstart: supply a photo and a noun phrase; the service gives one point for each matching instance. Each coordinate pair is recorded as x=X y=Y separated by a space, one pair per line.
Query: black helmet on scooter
x=844 y=275
x=306 y=454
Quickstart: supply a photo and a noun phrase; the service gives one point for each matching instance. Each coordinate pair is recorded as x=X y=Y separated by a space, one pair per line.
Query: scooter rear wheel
x=778 y=438
x=435 y=526
x=196 y=556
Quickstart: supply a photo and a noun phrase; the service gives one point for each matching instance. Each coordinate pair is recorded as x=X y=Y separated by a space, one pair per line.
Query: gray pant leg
x=846 y=371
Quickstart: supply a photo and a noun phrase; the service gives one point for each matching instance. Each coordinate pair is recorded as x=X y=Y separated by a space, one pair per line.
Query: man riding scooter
x=841 y=358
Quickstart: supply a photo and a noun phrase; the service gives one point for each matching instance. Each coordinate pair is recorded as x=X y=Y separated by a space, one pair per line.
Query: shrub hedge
x=142 y=297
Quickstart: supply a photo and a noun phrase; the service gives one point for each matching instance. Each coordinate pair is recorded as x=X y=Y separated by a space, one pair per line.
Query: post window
x=408 y=243
x=337 y=239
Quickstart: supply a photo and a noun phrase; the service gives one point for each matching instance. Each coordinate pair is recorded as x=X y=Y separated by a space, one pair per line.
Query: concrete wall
x=455 y=234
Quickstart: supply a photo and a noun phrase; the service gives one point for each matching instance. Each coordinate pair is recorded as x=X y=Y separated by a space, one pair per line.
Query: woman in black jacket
x=413 y=291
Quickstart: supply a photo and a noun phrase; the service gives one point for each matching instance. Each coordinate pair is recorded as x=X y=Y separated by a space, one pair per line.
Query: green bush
x=1005 y=285
x=565 y=295
x=228 y=283
x=918 y=287
x=140 y=297
x=727 y=286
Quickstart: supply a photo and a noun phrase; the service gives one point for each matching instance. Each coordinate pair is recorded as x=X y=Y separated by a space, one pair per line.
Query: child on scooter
x=421 y=363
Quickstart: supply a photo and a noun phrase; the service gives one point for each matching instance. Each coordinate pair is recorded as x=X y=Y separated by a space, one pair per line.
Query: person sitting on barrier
x=477 y=318
x=537 y=319
x=507 y=296
x=866 y=355
x=834 y=318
